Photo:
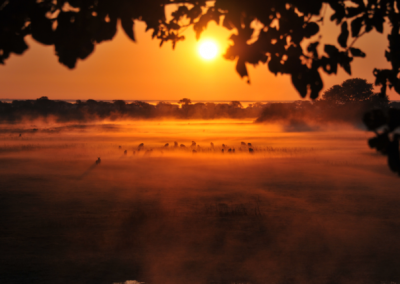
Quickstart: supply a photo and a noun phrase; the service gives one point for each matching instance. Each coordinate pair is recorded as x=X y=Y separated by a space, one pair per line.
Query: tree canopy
x=351 y=90
x=185 y=101
x=263 y=32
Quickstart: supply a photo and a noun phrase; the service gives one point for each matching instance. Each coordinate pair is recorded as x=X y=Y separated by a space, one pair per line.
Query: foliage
x=300 y=112
x=267 y=32
x=236 y=104
x=385 y=122
x=351 y=90
x=185 y=101
x=91 y=110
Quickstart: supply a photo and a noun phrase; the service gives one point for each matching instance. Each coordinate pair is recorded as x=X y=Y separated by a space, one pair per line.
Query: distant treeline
x=320 y=111
x=92 y=110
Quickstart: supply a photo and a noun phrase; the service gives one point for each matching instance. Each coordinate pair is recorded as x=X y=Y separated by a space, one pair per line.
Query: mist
x=303 y=116
x=319 y=115
x=301 y=207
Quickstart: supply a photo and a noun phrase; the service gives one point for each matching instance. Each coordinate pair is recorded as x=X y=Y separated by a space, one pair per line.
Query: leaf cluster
x=263 y=32
x=385 y=123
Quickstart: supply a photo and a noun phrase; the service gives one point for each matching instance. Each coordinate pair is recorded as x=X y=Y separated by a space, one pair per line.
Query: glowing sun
x=208 y=50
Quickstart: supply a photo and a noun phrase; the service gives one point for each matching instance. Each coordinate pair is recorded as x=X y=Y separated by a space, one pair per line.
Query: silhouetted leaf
x=396 y=84
x=312 y=47
x=67 y=60
x=340 y=11
x=227 y=23
x=354 y=11
x=173 y=26
x=274 y=65
x=300 y=84
x=344 y=61
x=18 y=45
x=359 y=2
x=311 y=29
x=128 y=24
x=344 y=35
x=194 y=13
x=380 y=143
x=316 y=84
x=388 y=56
x=41 y=28
x=241 y=68
x=356 y=52
x=374 y=119
x=180 y=12
x=356 y=25
x=331 y=50
x=393 y=154
x=394 y=119
x=378 y=20
x=329 y=65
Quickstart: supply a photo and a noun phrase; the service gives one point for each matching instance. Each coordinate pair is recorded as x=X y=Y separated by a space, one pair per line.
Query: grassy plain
x=305 y=207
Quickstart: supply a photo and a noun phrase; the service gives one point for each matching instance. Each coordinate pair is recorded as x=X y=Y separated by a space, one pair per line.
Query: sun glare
x=208 y=50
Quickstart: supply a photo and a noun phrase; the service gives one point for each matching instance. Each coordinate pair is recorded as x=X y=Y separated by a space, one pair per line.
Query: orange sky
x=121 y=69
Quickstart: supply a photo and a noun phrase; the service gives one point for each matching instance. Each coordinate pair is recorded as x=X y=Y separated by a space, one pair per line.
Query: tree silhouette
x=351 y=90
x=74 y=27
x=378 y=100
x=185 y=101
x=385 y=122
x=236 y=104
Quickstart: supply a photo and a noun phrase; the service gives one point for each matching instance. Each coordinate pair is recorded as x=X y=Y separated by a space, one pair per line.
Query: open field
x=304 y=207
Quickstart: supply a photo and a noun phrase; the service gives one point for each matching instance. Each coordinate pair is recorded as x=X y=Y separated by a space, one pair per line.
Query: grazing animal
x=194 y=151
x=98 y=161
x=222 y=151
x=175 y=144
x=119 y=147
x=141 y=145
x=243 y=143
x=230 y=150
x=166 y=145
x=183 y=146
x=212 y=145
x=251 y=151
x=125 y=152
x=193 y=144
x=249 y=144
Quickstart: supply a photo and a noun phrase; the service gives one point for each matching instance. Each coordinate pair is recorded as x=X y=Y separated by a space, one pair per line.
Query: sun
x=208 y=49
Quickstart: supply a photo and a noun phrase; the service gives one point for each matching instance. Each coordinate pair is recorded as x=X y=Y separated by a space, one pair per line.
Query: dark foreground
x=306 y=208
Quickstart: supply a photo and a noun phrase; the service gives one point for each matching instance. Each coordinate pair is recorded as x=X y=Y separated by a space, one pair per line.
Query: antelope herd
x=193 y=148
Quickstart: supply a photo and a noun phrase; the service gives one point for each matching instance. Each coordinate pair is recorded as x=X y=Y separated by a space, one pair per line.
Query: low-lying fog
x=291 y=207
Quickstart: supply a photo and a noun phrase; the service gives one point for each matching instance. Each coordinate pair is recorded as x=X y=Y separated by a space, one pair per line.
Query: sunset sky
x=122 y=69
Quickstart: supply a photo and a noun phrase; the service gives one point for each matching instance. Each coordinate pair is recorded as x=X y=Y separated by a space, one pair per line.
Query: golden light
x=208 y=49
